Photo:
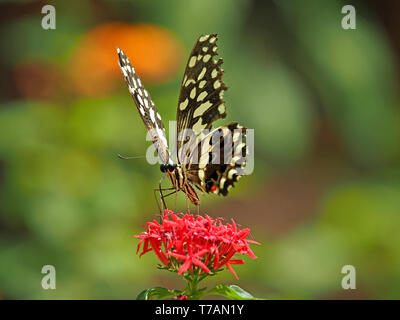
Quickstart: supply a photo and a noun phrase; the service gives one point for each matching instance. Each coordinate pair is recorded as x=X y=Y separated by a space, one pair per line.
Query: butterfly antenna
x=128 y=158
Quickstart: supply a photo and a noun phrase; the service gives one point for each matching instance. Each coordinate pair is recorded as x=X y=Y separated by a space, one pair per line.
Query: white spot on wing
x=124 y=71
x=204 y=38
x=192 y=62
x=189 y=82
x=236 y=135
x=203 y=160
x=139 y=100
x=153 y=119
x=201 y=174
x=206 y=57
x=160 y=133
x=239 y=148
x=202 y=73
x=222 y=182
x=202 y=108
x=198 y=126
x=231 y=173
x=201 y=96
x=193 y=93
x=184 y=104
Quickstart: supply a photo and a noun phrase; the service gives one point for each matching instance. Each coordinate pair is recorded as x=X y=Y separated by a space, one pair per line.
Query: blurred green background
x=323 y=101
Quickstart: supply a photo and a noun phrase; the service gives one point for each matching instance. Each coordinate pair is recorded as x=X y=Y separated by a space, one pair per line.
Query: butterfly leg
x=160 y=194
x=187 y=205
x=161 y=190
x=163 y=196
x=169 y=194
x=176 y=199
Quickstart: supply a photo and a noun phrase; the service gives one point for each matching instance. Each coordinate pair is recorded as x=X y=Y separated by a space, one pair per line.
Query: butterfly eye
x=171 y=167
x=163 y=167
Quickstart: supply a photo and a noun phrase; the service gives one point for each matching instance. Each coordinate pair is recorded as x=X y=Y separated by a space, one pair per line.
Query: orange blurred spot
x=154 y=52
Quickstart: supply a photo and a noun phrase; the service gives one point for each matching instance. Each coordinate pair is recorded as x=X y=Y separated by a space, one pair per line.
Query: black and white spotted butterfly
x=209 y=159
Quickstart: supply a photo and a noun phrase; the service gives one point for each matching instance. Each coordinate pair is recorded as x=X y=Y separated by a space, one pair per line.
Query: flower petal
x=157 y=250
x=231 y=270
x=197 y=262
x=185 y=266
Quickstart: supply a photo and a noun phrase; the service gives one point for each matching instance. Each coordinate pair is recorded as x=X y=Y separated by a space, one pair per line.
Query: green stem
x=191 y=289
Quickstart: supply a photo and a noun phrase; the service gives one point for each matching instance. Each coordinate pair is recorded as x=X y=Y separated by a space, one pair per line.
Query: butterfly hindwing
x=147 y=109
x=219 y=159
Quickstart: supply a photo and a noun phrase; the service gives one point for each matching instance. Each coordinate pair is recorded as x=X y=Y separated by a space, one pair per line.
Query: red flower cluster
x=187 y=242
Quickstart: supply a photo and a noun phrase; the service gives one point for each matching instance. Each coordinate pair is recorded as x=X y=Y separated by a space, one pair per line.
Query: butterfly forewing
x=201 y=96
x=147 y=109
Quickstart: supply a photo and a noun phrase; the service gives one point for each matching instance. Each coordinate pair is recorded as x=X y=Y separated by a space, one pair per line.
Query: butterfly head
x=167 y=167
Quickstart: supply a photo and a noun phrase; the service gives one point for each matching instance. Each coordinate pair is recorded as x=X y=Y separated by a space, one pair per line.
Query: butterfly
x=207 y=159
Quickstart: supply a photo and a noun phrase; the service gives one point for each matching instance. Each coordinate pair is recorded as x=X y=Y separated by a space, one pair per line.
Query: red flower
x=188 y=243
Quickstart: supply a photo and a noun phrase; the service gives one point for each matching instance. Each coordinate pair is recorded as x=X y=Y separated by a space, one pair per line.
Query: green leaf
x=157 y=293
x=232 y=292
